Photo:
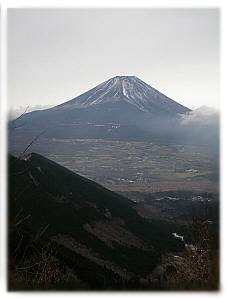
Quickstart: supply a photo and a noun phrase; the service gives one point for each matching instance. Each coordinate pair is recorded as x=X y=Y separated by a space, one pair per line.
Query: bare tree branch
x=18 y=118
x=32 y=142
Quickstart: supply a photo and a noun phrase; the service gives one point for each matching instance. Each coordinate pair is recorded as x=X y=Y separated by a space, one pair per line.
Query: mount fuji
x=121 y=108
x=129 y=90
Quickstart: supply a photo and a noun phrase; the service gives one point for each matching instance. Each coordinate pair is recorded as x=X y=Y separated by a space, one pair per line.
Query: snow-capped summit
x=121 y=108
x=127 y=89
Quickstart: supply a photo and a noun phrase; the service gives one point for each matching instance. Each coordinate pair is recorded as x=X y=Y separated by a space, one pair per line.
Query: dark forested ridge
x=80 y=227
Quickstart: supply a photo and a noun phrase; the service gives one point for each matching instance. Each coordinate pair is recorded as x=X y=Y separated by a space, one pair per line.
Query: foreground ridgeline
x=68 y=232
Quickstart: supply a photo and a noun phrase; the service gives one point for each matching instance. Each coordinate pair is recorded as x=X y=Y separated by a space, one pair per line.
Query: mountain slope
x=94 y=228
x=121 y=108
x=129 y=89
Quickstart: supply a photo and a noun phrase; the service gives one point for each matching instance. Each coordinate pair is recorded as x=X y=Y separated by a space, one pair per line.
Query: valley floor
x=132 y=166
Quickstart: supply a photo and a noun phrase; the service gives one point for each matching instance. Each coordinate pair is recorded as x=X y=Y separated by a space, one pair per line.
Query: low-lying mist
x=202 y=126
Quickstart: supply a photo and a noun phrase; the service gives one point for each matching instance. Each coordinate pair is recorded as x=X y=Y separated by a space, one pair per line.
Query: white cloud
x=201 y=116
x=14 y=113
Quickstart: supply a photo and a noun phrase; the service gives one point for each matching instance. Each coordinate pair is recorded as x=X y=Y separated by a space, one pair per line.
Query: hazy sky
x=57 y=54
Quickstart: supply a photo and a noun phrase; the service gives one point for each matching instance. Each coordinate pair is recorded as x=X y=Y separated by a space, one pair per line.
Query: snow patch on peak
x=125 y=88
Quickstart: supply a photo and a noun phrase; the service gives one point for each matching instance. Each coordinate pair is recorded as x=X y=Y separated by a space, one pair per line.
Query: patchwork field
x=132 y=166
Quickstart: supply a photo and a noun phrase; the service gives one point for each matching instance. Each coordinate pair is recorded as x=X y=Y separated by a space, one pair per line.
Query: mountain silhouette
x=121 y=108
x=126 y=89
